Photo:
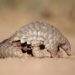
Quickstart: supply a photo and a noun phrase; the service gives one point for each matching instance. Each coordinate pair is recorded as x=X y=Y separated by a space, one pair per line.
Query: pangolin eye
x=42 y=46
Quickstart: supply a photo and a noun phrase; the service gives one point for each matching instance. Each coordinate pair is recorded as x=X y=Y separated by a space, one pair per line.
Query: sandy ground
x=37 y=66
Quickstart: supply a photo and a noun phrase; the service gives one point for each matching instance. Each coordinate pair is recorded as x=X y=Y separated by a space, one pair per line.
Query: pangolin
x=35 y=38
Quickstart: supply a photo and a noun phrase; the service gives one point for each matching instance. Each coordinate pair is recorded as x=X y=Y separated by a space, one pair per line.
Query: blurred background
x=16 y=13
